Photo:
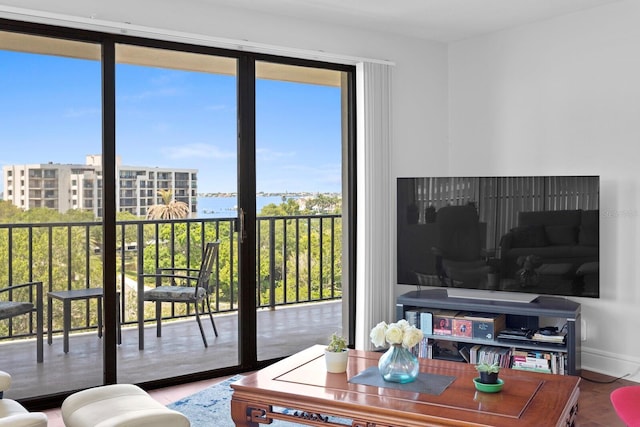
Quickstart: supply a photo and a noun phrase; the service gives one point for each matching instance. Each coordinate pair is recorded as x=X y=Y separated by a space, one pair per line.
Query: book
x=532 y=369
x=443 y=322
x=426 y=322
x=411 y=316
x=530 y=359
x=558 y=338
x=490 y=354
x=462 y=327
x=486 y=325
x=473 y=353
x=465 y=353
x=537 y=363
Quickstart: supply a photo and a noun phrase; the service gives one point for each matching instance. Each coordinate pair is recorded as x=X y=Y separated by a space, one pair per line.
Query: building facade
x=67 y=186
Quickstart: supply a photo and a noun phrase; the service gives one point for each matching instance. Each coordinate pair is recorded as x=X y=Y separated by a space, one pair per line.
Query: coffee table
x=301 y=384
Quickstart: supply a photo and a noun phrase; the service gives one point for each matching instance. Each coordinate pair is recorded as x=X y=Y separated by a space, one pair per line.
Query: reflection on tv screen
x=535 y=234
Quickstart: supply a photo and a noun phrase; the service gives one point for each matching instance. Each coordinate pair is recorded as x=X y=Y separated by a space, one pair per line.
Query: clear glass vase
x=398 y=365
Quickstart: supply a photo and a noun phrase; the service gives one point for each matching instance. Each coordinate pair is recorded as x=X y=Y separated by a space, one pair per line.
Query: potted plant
x=336 y=354
x=488 y=372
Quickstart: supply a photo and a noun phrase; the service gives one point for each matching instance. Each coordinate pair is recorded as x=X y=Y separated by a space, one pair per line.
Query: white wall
x=563 y=97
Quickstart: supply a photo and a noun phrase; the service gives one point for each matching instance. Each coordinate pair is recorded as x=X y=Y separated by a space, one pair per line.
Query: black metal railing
x=298 y=260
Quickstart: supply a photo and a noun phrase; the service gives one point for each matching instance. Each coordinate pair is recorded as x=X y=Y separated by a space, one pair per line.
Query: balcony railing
x=298 y=260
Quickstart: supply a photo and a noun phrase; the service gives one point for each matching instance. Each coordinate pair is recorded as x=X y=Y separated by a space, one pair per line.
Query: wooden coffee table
x=302 y=384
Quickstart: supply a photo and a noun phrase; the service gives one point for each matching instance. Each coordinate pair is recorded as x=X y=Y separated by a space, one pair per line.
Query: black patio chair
x=185 y=285
x=10 y=308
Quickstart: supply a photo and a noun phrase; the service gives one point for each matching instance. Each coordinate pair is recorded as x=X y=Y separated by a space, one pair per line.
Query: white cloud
x=266 y=155
x=293 y=177
x=162 y=79
x=149 y=94
x=200 y=151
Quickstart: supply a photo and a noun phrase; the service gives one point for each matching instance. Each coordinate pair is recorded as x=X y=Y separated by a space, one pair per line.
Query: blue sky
x=50 y=112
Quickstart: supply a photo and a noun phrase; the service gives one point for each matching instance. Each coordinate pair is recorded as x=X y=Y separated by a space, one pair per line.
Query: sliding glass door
x=50 y=218
x=176 y=115
x=300 y=134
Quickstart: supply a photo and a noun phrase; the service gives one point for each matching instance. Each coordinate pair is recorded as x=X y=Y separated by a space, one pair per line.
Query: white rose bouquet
x=400 y=332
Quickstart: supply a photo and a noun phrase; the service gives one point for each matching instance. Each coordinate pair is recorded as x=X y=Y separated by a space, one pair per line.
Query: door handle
x=243 y=231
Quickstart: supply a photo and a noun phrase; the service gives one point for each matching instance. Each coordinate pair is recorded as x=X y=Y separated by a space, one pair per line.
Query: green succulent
x=490 y=368
x=337 y=343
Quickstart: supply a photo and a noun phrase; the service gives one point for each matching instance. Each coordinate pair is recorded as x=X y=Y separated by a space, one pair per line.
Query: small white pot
x=336 y=362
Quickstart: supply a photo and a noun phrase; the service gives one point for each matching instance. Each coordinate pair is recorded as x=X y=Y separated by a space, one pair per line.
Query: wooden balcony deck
x=179 y=351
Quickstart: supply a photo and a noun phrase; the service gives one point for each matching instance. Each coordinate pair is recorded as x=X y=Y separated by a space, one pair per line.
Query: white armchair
x=13 y=414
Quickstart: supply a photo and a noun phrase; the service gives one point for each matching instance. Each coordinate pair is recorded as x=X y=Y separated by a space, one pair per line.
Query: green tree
x=8 y=211
x=170 y=209
x=289 y=207
x=309 y=251
x=40 y=235
x=298 y=257
x=323 y=203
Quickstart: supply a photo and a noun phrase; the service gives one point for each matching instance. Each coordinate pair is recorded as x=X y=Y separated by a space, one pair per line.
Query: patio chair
x=10 y=308
x=185 y=285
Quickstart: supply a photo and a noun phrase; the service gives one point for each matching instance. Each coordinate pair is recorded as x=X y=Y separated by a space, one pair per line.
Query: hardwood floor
x=595 y=408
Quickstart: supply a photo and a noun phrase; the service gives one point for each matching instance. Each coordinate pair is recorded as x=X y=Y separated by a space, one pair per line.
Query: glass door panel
x=176 y=132
x=50 y=221
x=300 y=122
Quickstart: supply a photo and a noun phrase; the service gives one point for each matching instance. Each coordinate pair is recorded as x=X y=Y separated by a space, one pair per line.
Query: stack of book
x=547 y=362
x=489 y=354
x=424 y=349
x=557 y=338
x=527 y=360
x=420 y=318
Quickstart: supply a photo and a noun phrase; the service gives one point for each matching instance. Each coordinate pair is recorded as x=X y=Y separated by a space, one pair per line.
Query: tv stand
x=542 y=306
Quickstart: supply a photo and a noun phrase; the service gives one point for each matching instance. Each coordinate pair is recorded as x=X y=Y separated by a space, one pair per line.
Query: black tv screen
x=535 y=235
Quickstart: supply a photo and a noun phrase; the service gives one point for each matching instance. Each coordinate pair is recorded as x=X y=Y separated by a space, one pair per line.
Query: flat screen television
x=504 y=236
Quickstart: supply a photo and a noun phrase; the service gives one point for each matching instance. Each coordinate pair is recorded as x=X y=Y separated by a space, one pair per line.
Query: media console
x=543 y=306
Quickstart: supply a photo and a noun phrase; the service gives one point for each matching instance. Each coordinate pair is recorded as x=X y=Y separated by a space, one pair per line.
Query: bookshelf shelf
x=501 y=343
x=548 y=307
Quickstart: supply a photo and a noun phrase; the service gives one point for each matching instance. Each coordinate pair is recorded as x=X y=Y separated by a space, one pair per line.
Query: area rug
x=211 y=407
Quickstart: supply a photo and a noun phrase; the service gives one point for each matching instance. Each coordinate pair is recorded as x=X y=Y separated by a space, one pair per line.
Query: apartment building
x=74 y=186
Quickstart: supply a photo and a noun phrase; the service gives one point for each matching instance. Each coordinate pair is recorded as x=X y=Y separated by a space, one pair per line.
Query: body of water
x=227 y=207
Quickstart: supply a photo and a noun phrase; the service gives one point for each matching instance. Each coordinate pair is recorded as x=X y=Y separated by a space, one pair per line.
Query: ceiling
x=440 y=20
